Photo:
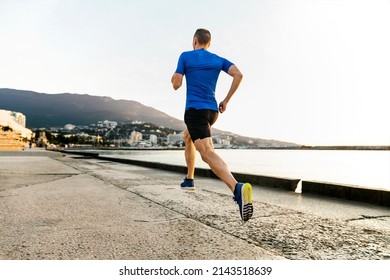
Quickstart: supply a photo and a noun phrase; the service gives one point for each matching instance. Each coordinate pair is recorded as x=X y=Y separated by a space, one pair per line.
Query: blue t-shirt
x=201 y=69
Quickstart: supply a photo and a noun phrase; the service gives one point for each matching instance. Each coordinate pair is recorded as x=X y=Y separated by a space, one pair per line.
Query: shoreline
x=303 y=147
x=343 y=191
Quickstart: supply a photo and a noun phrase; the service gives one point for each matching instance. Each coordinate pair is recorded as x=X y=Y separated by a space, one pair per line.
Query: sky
x=315 y=72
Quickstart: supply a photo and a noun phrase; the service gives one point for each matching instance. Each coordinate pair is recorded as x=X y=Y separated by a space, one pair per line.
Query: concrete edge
x=348 y=192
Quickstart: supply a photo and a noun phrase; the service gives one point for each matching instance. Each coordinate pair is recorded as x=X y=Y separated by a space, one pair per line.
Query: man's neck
x=198 y=47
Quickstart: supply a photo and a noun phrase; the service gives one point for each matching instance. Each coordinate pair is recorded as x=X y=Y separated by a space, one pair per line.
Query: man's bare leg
x=243 y=194
x=190 y=154
x=217 y=165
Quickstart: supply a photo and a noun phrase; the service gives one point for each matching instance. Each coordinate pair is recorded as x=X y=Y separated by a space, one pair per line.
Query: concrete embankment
x=348 y=192
x=65 y=206
x=60 y=207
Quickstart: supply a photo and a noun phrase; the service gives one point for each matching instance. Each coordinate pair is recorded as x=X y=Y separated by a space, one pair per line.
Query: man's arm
x=177 y=80
x=237 y=77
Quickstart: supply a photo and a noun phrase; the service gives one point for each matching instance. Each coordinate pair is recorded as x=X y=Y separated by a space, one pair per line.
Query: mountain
x=56 y=110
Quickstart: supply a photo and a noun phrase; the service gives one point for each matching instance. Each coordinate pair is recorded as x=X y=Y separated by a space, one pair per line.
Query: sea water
x=367 y=169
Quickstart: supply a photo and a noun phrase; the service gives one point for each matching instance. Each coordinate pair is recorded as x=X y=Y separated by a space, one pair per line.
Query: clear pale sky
x=315 y=72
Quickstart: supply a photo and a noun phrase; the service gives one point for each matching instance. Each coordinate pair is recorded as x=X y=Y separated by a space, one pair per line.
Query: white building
x=107 y=124
x=222 y=141
x=174 y=138
x=19 y=118
x=153 y=139
x=16 y=121
x=69 y=127
x=135 y=137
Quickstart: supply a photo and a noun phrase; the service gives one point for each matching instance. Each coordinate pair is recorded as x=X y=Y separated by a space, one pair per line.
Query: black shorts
x=199 y=122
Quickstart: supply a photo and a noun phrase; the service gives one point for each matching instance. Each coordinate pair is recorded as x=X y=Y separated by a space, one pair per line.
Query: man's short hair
x=203 y=36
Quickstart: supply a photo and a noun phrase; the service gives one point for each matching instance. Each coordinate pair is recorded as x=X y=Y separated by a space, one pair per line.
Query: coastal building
x=153 y=139
x=16 y=121
x=107 y=124
x=41 y=140
x=19 y=118
x=13 y=132
x=175 y=138
x=222 y=141
x=135 y=137
x=69 y=127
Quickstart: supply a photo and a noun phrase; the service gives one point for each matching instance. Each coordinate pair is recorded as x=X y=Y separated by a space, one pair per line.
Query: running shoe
x=188 y=184
x=243 y=197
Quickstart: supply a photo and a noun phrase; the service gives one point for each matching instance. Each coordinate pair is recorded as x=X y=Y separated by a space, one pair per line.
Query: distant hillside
x=54 y=110
x=57 y=110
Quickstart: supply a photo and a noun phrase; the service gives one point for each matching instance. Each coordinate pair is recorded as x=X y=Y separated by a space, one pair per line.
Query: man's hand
x=222 y=106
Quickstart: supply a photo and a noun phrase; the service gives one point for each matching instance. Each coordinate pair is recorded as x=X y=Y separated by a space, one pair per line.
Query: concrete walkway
x=55 y=206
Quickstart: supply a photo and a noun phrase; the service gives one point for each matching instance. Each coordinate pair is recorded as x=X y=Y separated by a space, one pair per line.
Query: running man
x=201 y=69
